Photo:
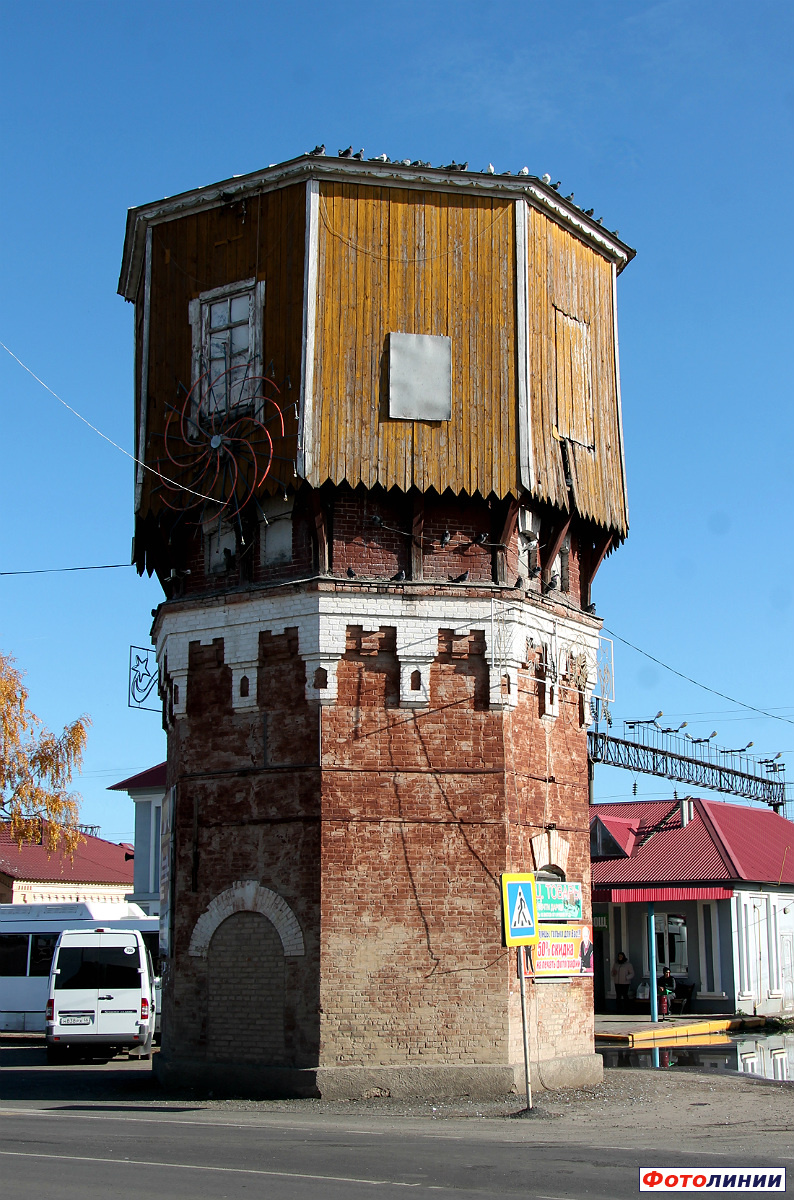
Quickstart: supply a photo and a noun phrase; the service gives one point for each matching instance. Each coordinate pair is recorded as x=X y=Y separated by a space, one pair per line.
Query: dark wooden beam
x=417 y=531
x=551 y=545
x=320 y=532
x=508 y=529
x=601 y=546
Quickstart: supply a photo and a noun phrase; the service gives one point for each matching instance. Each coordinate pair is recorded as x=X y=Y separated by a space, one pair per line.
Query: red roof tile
x=152 y=777
x=721 y=841
x=624 y=832
x=95 y=861
x=760 y=843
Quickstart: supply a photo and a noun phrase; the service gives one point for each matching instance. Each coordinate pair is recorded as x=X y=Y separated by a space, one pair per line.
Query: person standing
x=666 y=992
x=585 y=952
x=622 y=973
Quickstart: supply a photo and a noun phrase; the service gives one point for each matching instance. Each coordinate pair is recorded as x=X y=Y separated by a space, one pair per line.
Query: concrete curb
x=646 y=1035
x=483 y=1081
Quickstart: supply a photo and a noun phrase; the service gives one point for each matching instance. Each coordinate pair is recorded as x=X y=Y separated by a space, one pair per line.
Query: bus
x=28 y=933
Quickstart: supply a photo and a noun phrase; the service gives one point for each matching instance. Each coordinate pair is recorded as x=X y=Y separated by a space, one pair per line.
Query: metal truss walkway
x=655 y=751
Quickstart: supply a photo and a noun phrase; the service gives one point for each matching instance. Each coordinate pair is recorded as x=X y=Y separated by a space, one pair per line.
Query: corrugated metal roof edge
x=629 y=895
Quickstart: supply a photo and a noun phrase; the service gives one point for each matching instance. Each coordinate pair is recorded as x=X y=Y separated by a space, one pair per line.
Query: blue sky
x=674 y=120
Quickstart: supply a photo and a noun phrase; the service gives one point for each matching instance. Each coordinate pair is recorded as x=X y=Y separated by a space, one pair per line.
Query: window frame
x=199 y=316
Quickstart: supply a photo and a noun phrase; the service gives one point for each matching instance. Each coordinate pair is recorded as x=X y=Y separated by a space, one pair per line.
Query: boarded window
x=220 y=546
x=246 y=992
x=275 y=539
x=574 y=379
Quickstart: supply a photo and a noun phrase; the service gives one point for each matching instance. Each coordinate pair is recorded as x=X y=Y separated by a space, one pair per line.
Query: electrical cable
x=723 y=695
x=61 y=570
x=104 y=436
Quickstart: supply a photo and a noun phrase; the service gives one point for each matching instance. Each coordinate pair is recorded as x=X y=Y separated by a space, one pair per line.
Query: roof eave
x=308 y=166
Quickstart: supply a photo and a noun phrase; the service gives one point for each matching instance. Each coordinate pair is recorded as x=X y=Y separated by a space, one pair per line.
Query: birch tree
x=36 y=768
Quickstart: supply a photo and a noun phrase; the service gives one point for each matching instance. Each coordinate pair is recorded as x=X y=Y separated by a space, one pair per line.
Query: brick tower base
x=353 y=768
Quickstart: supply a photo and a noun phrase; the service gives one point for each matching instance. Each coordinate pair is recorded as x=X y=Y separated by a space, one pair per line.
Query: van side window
x=97 y=967
x=41 y=951
x=13 y=954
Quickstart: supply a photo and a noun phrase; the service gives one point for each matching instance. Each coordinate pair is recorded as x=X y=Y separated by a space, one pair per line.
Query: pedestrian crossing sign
x=519 y=909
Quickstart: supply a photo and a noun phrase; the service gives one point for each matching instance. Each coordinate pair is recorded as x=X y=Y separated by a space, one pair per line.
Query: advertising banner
x=559 y=901
x=519 y=909
x=563 y=950
x=166 y=872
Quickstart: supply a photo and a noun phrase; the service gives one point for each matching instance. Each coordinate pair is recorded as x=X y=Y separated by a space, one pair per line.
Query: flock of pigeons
x=319 y=151
x=479 y=539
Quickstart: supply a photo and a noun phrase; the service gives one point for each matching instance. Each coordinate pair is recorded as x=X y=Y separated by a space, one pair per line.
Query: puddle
x=767 y=1057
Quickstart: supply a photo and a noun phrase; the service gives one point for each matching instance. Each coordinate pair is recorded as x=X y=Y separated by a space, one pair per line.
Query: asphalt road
x=88 y=1132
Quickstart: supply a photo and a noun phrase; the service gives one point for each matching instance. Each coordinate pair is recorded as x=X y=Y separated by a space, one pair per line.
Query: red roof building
x=720 y=878
x=31 y=874
x=147 y=792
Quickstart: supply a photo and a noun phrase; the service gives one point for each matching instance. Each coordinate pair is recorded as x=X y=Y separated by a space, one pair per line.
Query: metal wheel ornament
x=215 y=462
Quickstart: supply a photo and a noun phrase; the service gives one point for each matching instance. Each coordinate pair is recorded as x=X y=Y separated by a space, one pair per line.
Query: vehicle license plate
x=76 y=1020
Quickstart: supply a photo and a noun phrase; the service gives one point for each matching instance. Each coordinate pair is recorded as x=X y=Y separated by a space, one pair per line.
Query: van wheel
x=57 y=1054
x=146 y=1049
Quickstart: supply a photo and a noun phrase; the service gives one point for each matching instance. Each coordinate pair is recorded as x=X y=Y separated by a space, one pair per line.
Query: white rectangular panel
x=420 y=377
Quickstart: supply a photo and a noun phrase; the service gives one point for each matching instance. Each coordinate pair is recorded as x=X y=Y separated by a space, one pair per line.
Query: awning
x=628 y=895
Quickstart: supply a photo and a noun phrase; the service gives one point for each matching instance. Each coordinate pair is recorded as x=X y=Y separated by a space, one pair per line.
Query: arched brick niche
x=246 y=976
x=247 y=895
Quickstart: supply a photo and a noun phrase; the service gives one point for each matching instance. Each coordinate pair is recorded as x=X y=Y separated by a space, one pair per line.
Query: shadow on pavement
x=25 y=1074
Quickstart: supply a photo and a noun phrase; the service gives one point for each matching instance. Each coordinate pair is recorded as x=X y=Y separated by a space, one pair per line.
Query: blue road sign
x=520 y=908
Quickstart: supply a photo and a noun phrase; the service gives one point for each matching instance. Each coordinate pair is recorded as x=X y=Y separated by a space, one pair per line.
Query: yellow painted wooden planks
x=405 y=261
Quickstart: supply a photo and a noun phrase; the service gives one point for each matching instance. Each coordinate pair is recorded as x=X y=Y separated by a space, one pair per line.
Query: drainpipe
x=652 y=962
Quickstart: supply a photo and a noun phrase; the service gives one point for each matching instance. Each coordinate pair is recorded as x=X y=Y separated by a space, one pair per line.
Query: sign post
x=519 y=913
x=522 y=964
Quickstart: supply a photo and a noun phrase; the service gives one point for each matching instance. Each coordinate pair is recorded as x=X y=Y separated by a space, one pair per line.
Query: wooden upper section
x=394 y=260
x=519 y=280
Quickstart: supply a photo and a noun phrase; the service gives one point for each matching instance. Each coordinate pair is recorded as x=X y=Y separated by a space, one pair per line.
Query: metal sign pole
x=521 y=952
x=652 y=962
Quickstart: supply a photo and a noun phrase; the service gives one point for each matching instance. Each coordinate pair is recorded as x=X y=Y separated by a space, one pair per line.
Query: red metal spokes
x=219 y=459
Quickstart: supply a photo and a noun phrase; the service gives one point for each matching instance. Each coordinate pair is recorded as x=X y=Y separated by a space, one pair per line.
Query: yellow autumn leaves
x=36 y=767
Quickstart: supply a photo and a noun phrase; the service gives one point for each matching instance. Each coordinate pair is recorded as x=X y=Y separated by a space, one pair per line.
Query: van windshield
x=98 y=967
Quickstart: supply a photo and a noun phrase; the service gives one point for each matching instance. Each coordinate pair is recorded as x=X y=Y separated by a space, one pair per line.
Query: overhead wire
x=723 y=695
x=61 y=570
x=109 y=566
x=104 y=436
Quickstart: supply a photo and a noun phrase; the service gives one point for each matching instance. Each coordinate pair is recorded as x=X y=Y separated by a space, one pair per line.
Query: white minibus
x=101 y=994
x=28 y=934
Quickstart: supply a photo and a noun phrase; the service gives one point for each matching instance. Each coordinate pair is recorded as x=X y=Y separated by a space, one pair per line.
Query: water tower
x=378 y=406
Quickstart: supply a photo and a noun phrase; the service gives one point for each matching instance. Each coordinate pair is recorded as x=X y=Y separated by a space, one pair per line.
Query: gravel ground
x=635 y=1099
